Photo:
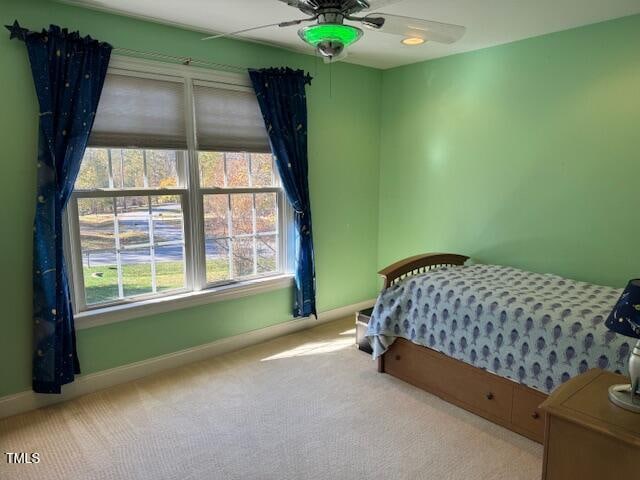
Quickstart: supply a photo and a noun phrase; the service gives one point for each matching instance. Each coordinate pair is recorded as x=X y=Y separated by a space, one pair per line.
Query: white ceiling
x=488 y=22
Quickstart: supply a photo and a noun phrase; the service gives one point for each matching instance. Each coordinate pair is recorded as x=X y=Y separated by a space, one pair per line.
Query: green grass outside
x=136 y=278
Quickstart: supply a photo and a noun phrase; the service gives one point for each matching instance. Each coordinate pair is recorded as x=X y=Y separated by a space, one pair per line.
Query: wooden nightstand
x=587 y=436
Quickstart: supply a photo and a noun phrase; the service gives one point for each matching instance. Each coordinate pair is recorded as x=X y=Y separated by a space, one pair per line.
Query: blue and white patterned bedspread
x=537 y=329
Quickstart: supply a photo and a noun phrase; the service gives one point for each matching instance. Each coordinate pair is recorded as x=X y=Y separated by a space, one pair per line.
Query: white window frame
x=197 y=290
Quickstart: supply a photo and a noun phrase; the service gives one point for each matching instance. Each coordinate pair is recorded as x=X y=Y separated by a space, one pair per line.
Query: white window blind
x=229 y=121
x=140 y=112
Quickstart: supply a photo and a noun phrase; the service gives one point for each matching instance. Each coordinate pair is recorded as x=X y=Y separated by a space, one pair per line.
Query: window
x=177 y=191
x=240 y=205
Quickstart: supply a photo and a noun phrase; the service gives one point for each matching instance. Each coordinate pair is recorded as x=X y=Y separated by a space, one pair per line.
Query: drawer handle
x=535 y=415
x=398 y=357
x=489 y=396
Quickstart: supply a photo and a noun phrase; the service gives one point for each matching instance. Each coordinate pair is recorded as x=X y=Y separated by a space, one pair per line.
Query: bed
x=495 y=340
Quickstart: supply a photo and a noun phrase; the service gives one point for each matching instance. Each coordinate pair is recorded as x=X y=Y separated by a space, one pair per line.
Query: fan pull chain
x=330 y=80
x=316 y=65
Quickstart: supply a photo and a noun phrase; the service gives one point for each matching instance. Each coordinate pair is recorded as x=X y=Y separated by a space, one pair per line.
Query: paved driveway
x=169 y=230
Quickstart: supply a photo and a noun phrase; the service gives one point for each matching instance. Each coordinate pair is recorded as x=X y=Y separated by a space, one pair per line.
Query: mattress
x=536 y=329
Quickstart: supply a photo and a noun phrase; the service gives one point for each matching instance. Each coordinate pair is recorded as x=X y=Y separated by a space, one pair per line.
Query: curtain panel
x=68 y=73
x=283 y=102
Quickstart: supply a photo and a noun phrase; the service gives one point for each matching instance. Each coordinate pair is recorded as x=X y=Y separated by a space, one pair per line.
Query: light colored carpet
x=305 y=406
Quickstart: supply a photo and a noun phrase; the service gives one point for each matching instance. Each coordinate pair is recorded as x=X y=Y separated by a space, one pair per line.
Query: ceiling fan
x=330 y=35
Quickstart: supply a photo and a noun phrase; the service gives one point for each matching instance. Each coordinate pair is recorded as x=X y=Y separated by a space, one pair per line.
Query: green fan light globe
x=330 y=32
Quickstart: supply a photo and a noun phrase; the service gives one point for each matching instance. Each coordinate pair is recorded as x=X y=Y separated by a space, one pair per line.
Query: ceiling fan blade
x=376 y=4
x=238 y=32
x=288 y=23
x=307 y=6
x=416 y=27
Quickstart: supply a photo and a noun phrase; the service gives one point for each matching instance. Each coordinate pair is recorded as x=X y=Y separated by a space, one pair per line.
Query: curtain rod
x=19 y=32
x=182 y=60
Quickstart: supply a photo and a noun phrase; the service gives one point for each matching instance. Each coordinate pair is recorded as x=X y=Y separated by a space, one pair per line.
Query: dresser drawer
x=491 y=395
x=462 y=384
x=526 y=414
x=421 y=367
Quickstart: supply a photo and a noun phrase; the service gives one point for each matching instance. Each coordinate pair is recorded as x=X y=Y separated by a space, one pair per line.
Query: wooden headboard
x=419 y=264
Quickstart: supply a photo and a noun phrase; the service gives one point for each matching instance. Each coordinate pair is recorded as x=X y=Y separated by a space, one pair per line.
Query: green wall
x=526 y=154
x=344 y=154
x=523 y=154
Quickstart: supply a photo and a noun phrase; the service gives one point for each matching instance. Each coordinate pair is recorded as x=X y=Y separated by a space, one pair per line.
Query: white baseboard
x=29 y=400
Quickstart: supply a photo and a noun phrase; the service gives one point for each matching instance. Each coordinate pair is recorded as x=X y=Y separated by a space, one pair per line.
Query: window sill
x=143 y=308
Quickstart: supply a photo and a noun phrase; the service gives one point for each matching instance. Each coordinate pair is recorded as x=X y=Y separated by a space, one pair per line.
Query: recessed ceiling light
x=413 y=41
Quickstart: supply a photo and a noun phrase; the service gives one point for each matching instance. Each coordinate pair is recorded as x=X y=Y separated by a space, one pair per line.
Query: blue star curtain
x=283 y=102
x=68 y=73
